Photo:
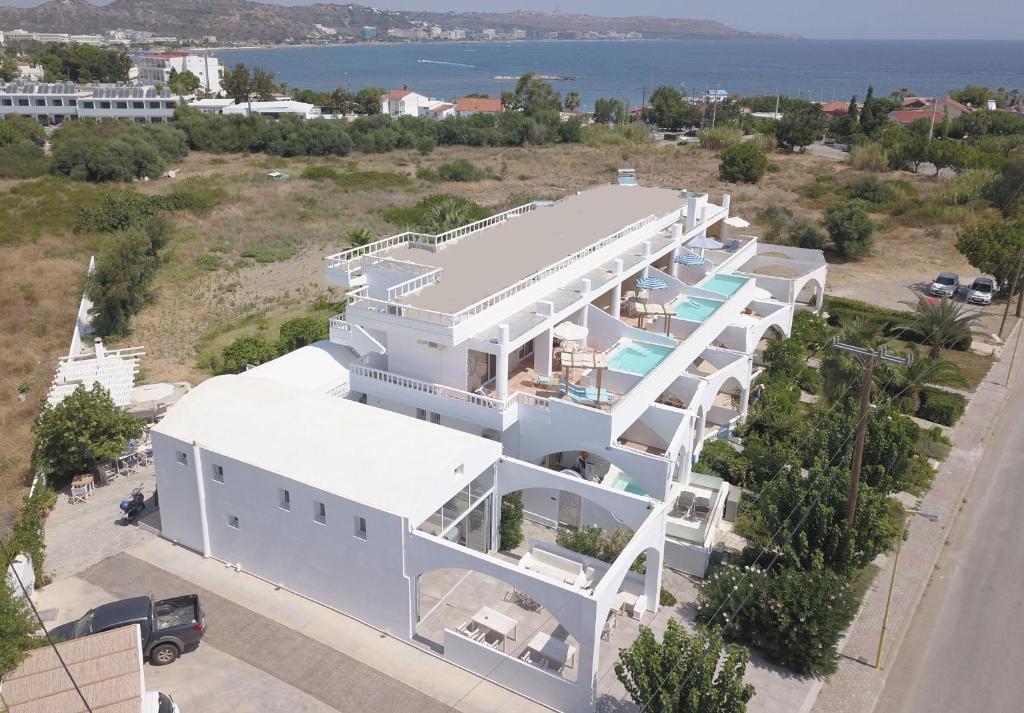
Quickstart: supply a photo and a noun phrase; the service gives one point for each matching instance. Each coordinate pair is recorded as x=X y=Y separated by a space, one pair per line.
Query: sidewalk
x=856 y=686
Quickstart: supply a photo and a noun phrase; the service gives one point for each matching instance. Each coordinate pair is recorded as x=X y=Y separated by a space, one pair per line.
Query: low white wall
x=686 y=557
x=545 y=687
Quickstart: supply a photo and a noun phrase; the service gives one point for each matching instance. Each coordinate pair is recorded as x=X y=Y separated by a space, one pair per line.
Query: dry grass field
x=257 y=258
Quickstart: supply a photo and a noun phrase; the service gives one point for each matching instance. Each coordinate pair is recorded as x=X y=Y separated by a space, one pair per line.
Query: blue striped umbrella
x=651 y=283
x=689 y=258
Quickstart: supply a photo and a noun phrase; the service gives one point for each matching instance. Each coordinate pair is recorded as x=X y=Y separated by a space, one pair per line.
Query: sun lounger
x=702 y=506
x=683 y=504
x=589 y=393
x=541 y=380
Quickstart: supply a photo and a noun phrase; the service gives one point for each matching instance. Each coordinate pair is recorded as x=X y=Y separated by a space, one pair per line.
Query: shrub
x=933 y=443
x=940 y=406
x=849 y=228
x=246 y=351
x=298 y=332
x=869 y=156
x=119 y=209
x=765 y=142
x=804 y=233
x=437 y=213
x=776 y=220
x=719 y=458
x=319 y=173
x=426 y=145
x=593 y=542
x=966 y=187
x=120 y=285
x=667 y=598
x=510 y=529
x=83 y=428
x=810 y=330
x=22 y=159
x=794 y=617
x=462 y=170
x=720 y=137
x=743 y=163
x=784 y=358
x=870 y=190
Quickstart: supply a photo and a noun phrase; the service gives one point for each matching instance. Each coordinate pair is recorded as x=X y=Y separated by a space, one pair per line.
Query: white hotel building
x=392 y=514
x=53 y=103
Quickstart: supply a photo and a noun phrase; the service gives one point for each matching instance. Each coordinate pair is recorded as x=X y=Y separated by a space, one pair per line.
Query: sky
x=826 y=19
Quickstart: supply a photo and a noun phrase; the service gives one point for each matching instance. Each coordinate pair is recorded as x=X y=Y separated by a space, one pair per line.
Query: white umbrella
x=736 y=222
x=703 y=242
x=570 y=332
x=762 y=294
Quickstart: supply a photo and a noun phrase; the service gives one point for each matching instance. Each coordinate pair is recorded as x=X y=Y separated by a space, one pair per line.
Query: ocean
x=816 y=69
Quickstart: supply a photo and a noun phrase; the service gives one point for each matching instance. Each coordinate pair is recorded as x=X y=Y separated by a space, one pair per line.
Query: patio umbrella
x=689 y=258
x=569 y=332
x=736 y=222
x=703 y=242
x=651 y=283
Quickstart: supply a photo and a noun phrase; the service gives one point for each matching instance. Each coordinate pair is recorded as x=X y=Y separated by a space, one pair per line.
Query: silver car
x=981 y=291
x=945 y=285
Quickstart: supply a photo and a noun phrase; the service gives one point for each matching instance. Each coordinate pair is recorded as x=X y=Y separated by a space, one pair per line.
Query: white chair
x=79 y=494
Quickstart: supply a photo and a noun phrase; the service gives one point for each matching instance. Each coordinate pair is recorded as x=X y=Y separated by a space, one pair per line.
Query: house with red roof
x=406 y=102
x=836 y=108
x=467 y=106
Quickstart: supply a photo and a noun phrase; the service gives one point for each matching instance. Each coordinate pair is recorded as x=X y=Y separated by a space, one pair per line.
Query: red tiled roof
x=908 y=115
x=836 y=108
x=398 y=93
x=440 y=107
x=477 y=104
x=169 y=55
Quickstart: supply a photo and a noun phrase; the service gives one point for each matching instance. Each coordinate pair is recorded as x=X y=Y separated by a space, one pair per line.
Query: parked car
x=945 y=285
x=169 y=626
x=981 y=291
x=157 y=702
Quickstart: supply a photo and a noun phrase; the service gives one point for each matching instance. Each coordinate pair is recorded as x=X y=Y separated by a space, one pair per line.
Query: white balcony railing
x=445 y=392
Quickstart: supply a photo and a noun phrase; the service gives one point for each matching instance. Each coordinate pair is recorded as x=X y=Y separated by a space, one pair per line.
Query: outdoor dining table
x=554 y=650
x=502 y=625
x=84 y=479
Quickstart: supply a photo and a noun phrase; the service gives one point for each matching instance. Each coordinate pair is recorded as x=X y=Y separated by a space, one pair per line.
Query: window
x=435 y=417
x=181 y=457
x=320 y=514
x=72 y=102
x=233 y=521
x=104 y=105
x=284 y=499
x=87 y=105
x=421 y=414
x=169 y=105
x=23 y=102
x=122 y=105
x=218 y=473
x=360 y=527
x=5 y=102
x=57 y=102
x=138 y=105
x=40 y=102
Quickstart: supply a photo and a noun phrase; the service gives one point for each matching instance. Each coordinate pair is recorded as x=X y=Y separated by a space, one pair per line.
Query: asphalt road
x=964 y=649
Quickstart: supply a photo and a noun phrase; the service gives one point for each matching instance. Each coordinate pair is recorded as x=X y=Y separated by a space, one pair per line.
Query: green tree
x=801 y=127
x=299 y=332
x=84 y=428
x=534 y=97
x=120 y=285
x=594 y=542
x=684 y=673
x=183 y=83
x=367 y=101
x=743 y=163
x=237 y=83
x=940 y=323
x=263 y=84
x=17 y=628
x=804 y=233
x=853 y=110
x=245 y=352
x=609 y=111
x=977 y=95
x=922 y=372
x=850 y=228
x=359 y=236
x=340 y=101
x=666 y=108
x=991 y=247
x=572 y=101
x=795 y=617
x=1007 y=192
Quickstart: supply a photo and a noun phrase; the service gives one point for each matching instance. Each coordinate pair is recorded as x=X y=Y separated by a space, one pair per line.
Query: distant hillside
x=245 y=21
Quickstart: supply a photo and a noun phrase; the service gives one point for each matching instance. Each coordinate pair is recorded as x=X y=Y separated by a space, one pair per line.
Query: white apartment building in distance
x=155 y=68
x=514 y=354
x=55 y=102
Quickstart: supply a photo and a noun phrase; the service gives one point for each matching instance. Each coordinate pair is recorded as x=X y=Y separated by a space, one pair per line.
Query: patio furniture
x=588 y=395
x=734 y=245
x=551 y=565
x=625 y=602
x=702 y=506
x=541 y=380
x=684 y=504
x=522 y=599
x=502 y=626
x=651 y=283
x=79 y=494
x=690 y=258
x=556 y=652
x=108 y=473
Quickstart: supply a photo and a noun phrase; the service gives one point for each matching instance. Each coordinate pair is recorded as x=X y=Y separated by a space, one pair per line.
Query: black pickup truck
x=169 y=626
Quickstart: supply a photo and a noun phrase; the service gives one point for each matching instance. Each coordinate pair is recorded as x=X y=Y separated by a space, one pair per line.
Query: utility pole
x=870 y=359
x=931 y=127
x=714 y=108
x=1013 y=288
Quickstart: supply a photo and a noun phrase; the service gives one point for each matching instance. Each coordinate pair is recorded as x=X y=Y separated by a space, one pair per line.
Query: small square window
x=320 y=513
x=360 y=527
x=421 y=414
x=460 y=469
x=233 y=521
x=181 y=457
x=435 y=417
x=218 y=473
x=284 y=499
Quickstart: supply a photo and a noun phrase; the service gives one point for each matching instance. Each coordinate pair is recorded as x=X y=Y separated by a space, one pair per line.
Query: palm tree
x=359 y=236
x=924 y=371
x=939 y=323
x=572 y=101
x=448 y=214
x=840 y=372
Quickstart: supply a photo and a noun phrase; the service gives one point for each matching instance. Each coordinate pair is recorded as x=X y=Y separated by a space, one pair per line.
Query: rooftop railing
x=426 y=387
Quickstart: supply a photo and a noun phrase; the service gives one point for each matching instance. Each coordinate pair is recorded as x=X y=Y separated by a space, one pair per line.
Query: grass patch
x=256 y=324
x=356 y=180
x=44 y=206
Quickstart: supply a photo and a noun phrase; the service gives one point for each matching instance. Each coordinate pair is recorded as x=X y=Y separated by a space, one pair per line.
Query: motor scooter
x=132 y=507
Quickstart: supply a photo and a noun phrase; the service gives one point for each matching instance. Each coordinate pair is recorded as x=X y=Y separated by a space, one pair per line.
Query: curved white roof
x=319 y=367
x=365 y=454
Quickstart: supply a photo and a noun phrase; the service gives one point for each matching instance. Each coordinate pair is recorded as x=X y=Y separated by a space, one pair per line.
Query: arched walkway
x=809 y=291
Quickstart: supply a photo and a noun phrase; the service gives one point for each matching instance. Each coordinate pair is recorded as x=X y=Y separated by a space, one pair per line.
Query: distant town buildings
x=156 y=68
x=369 y=33
x=111 y=37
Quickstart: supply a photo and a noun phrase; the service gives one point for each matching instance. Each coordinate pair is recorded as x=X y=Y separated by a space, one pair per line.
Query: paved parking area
x=327 y=675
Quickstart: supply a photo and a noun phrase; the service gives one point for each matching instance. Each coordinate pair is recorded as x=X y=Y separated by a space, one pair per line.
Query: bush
x=667 y=598
x=870 y=156
x=246 y=351
x=966 y=187
x=870 y=190
x=510 y=529
x=114 y=151
x=938 y=406
x=120 y=285
x=22 y=159
x=765 y=142
x=720 y=137
x=437 y=213
x=719 y=458
x=794 y=617
x=849 y=228
x=319 y=173
x=593 y=542
x=804 y=233
x=776 y=220
x=810 y=330
x=119 y=209
x=743 y=163
x=933 y=443
x=298 y=332
x=462 y=170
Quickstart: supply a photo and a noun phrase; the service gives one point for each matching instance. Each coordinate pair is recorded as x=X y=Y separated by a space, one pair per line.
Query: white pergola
x=114 y=370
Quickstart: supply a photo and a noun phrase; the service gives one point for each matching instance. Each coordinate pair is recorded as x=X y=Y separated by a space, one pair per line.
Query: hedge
x=940 y=406
x=840 y=308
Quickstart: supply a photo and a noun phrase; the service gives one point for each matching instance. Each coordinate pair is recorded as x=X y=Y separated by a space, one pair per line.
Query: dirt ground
x=258 y=256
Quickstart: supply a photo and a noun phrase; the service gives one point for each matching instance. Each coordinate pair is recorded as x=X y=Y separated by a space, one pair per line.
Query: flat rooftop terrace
x=478 y=265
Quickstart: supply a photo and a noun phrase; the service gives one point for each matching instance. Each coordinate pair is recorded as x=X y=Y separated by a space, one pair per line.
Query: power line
x=14 y=570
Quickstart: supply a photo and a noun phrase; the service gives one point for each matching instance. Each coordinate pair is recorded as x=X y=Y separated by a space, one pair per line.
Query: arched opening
x=727 y=406
x=493 y=613
x=773 y=333
x=811 y=295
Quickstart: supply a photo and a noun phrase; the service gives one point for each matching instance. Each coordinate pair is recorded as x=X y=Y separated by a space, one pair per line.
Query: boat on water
x=546 y=77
